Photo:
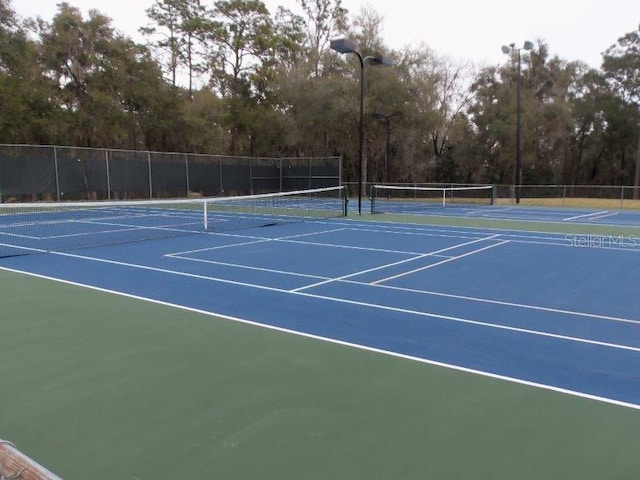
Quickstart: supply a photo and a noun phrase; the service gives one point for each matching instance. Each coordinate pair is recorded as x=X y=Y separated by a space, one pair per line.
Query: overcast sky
x=463 y=29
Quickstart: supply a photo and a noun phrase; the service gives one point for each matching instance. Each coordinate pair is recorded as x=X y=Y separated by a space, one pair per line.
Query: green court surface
x=99 y=386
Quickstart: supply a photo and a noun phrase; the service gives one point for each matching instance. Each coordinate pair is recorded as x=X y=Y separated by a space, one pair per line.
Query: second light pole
x=506 y=49
x=344 y=45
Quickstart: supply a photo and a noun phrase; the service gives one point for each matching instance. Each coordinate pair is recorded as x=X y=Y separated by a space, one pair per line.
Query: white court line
x=503 y=303
x=30 y=249
x=473 y=252
x=526 y=237
x=520 y=236
x=462 y=234
x=357 y=303
x=127 y=228
x=260 y=269
x=219 y=247
x=389 y=353
x=314 y=244
x=604 y=216
x=481 y=211
x=84 y=234
x=255 y=241
x=586 y=215
x=412 y=259
x=15 y=235
x=249 y=267
x=421 y=233
x=518 y=221
x=516 y=238
x=454 y=231
x=356 y=247
x=289 y=239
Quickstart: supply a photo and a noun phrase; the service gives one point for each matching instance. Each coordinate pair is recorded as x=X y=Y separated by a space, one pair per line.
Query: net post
x=444 y=197
x=205 y=215
x=493 y=194
x=372 y=199
x=345 y=201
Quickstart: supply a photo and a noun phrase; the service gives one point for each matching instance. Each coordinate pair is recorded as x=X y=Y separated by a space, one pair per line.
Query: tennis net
x=413 y=199
x=45 y=227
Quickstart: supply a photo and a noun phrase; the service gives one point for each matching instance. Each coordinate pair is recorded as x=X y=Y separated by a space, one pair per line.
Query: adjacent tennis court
x=445 y=344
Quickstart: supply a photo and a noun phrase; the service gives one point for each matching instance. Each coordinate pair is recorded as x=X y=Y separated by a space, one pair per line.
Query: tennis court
x=615 y=218
x=442 y=345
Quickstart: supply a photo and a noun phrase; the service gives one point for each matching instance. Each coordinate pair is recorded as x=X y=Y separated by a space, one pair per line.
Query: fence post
x=150 y=179
x=106 y=166
x=55 y=168
x=186 y=172
x=221 y=183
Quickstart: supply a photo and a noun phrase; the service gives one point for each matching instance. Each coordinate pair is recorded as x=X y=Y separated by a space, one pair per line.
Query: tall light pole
x=383 y=118
x=506 y=49
x=344 y=45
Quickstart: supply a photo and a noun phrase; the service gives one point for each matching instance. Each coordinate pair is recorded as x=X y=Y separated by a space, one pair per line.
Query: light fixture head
x=505 y=49
x=380 y=60
x=528 y=45
x=343 y=45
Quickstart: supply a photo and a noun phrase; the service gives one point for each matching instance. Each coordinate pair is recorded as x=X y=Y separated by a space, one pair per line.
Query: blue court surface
x=554 y=311
x=585 y=216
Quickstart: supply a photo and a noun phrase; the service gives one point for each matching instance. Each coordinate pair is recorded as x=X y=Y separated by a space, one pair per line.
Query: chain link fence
x=587 y=196
x=57 y=173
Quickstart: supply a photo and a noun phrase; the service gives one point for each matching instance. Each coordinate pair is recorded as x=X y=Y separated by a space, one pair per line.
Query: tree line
x=232 y=78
